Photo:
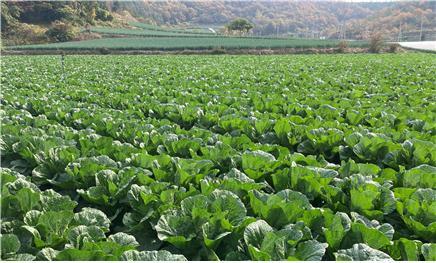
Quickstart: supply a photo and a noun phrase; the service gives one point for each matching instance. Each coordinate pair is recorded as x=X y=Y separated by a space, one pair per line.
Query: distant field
x=178 y=43
x=164 y=33
x=143 y=32
x=174 y=30
x=151 y=37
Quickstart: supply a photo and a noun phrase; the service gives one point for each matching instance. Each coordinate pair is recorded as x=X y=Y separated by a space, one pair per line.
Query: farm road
x=421 y=45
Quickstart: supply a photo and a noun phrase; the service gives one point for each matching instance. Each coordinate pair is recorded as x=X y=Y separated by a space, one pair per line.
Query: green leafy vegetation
x=239 y=25
x=323 y=157
x=143 y=32
x=195 y=30
x=180 y=43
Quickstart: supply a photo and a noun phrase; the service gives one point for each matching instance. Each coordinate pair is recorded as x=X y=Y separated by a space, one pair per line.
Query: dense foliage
x=218 y=157
x=331 y=19
x=25 y=22
x=239 y=25
x=48 y=21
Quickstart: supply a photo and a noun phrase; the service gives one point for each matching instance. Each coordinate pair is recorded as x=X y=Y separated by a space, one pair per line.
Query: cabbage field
x=308 y=157
x=166 y=42
x=145 y=32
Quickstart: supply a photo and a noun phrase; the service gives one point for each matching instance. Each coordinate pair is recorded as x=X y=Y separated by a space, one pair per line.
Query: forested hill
x=25 y=22
x=36 y=21
x=309 y=17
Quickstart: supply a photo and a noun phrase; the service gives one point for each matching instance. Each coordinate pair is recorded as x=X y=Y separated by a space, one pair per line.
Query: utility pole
x=420 y=33
x=399 y=34
x=63 y=65
x=344 y=32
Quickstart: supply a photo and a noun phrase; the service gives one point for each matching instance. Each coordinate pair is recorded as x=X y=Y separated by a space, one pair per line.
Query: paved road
x=423 y=45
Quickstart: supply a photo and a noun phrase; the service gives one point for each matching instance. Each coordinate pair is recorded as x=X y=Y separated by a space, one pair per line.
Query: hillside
x=35 y=22
x=25 y=22
x=303 y=19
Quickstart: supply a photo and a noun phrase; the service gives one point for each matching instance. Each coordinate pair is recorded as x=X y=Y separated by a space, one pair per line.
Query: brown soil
x=199 y=52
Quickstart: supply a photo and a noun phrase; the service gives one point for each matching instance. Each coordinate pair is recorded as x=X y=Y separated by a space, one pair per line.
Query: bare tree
x=342 y=46
x=376 y=42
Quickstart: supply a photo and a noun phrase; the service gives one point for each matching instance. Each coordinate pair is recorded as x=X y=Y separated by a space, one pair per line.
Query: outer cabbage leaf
x=423 y=176
x=92 y=217
x=338 y=225
x=258 y=163
x=10 y=244
x=405 y=249
x=418 y=211
x=429 y=251
x=281 y=208
x=370 y=198
x=95 y=251
x=161 y=255
x=361 y=252
x=310 y=250
x=266 y=243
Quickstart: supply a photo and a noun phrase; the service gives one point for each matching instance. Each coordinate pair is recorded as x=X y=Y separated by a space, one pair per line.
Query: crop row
x=203 y=31
x=144 y=32
x=183 y=42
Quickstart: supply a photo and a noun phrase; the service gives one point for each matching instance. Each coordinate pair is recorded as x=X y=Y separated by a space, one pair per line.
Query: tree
x=9 y=16
x=269 y=29
x=240 y=25
x=376 y=42
x=61 y=32
x=342 y=46
x=103 y=15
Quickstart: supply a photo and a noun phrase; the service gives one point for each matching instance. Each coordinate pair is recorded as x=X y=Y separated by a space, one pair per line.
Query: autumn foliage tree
x=61 y=32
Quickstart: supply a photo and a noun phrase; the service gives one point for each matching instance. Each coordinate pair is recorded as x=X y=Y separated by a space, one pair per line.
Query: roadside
x=213 y=51
x=421 y=45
